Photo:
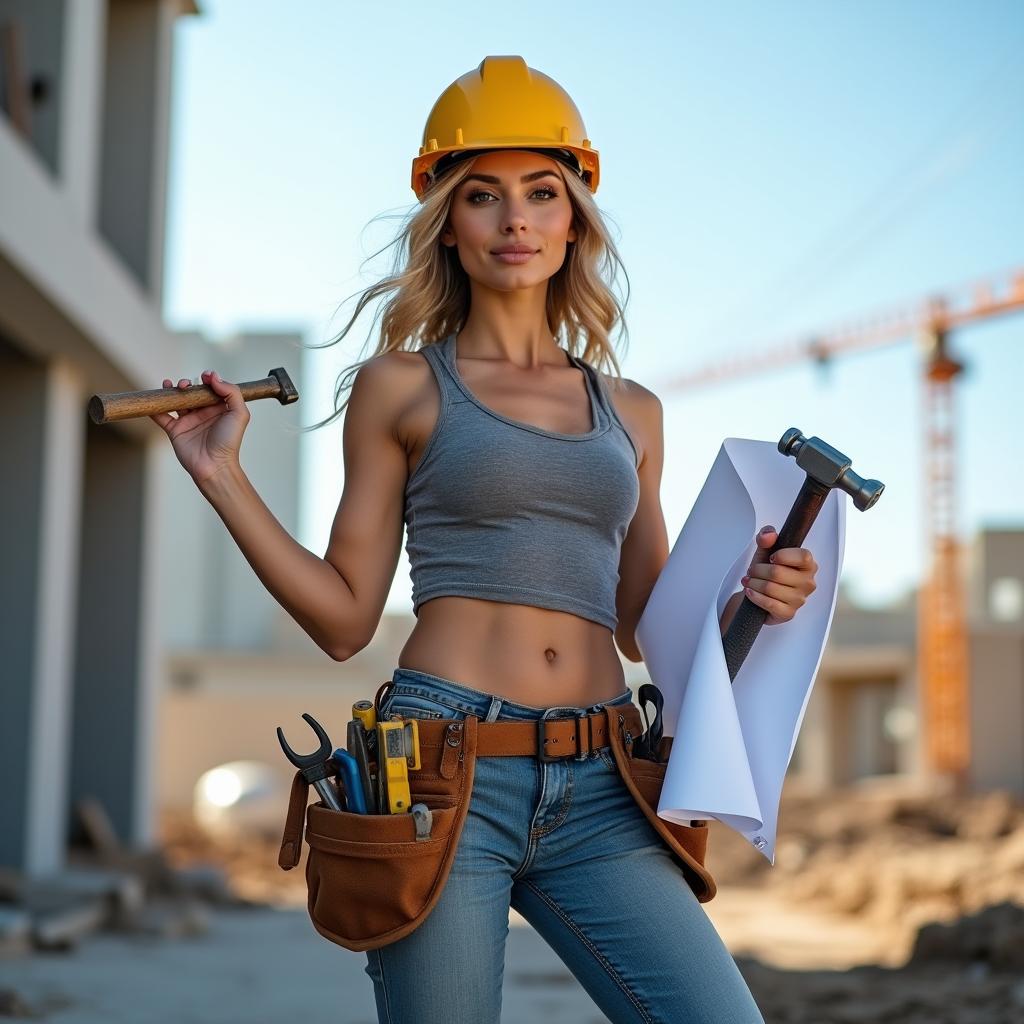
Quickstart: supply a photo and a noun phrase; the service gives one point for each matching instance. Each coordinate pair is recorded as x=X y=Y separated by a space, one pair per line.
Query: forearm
x=308 y=587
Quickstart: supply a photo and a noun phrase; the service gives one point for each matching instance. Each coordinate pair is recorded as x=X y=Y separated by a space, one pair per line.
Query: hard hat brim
x=426 y=169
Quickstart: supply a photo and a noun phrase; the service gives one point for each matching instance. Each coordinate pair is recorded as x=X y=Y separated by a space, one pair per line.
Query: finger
x=799 y=558
x=789 y=596
x=779 y=574
x=231 y=393
x=764 y=539
x=778 y=609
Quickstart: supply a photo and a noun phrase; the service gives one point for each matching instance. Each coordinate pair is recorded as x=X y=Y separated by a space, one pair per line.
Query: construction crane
x=943 y=673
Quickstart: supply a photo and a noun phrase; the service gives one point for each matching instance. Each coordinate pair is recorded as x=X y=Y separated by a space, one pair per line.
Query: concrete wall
x=997 y=709
x=78 y=601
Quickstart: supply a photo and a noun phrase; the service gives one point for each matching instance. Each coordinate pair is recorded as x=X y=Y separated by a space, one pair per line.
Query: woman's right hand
x=207 y=440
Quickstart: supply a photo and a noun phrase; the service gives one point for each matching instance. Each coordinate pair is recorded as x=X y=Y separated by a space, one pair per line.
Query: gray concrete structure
x=82 y=201
x=862 y=719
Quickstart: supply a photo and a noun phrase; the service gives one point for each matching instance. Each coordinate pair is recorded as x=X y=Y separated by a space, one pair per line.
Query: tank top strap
x=436 y=355
x=609 y=407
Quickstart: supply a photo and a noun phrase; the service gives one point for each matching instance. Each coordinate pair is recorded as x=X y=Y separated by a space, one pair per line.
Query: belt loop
x=494 y=710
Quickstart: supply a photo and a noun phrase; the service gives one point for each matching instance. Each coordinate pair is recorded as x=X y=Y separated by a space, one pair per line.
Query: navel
x=550 y=654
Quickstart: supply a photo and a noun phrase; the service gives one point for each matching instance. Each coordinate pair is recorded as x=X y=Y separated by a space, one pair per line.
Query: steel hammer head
x=288 y=393
x=831 y=468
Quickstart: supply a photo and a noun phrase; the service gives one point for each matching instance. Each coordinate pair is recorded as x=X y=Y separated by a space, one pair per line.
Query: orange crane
x=943 y=674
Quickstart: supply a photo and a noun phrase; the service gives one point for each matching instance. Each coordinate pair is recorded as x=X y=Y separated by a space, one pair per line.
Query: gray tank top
x=506 y=511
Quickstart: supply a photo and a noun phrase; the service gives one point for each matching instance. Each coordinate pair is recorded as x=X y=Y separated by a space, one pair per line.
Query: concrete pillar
x=997 y=709
x=81 y=103
x=117 y=658
x=41 y=426
x=136 y=118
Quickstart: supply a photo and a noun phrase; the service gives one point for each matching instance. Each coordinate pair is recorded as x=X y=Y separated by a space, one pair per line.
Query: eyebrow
x=490 y=179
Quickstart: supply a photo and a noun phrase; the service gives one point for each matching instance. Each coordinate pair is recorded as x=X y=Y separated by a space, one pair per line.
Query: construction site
x=136 y=680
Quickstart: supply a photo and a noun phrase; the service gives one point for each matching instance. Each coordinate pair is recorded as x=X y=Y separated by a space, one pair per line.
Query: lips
x=514 y=253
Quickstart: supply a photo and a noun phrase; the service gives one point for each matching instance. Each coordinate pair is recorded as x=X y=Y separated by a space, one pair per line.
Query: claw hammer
x=826 y=468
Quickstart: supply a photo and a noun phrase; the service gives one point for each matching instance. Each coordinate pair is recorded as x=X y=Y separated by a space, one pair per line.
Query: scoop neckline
x=598 y=427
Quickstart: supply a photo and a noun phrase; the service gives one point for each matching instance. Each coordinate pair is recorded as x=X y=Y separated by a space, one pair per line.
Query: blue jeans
x=566 y=845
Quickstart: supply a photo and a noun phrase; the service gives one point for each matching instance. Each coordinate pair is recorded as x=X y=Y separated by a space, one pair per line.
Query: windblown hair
x=432 y=292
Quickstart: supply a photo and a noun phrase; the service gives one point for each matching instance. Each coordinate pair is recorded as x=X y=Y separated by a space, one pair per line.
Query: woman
x=529 y=483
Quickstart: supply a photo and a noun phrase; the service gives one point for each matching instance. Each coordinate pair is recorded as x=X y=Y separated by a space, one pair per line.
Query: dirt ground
x=883 y=906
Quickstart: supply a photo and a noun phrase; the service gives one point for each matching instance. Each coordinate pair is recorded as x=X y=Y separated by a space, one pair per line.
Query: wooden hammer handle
x=124 y=405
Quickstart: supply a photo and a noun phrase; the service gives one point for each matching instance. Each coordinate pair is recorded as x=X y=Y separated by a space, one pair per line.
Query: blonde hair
x=432 y=293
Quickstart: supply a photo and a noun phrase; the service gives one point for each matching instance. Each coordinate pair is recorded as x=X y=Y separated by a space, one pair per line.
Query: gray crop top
x=506 y=511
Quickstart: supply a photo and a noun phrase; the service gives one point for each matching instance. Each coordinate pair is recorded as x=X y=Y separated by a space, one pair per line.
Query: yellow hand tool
x=398 y=750
x=364 y=711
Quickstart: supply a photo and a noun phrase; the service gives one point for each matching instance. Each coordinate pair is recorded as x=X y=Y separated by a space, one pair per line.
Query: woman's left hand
x=781 y=585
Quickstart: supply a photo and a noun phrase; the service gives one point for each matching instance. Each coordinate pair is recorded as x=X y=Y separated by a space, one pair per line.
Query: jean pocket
x=607 y=758
x=413 y=705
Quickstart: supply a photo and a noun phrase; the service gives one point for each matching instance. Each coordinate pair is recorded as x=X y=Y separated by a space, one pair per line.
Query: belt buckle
x=581 y=754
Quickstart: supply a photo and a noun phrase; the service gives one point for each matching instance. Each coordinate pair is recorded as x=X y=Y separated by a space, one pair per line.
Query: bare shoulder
x=640 y=410
x=391 y=383
x=392 y=372
x=401 y=390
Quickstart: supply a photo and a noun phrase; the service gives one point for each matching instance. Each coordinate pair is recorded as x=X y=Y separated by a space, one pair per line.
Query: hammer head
x=288 y=393
x=831 y=468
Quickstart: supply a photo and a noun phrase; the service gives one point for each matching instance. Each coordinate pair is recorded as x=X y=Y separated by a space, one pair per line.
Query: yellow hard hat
x=503 y=104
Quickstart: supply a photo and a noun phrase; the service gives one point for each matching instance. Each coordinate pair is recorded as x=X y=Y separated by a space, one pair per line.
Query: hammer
x=825 y=468
x=124 y=405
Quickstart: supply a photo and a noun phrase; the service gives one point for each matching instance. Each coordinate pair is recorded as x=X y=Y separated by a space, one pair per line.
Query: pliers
x=648 y=745
x=317 y=767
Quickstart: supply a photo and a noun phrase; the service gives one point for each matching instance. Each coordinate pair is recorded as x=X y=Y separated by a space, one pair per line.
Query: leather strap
x=494 y=739
x=291 y=841
x=562 y=737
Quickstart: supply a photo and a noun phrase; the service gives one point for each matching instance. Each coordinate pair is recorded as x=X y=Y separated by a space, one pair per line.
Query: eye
x=473 y=196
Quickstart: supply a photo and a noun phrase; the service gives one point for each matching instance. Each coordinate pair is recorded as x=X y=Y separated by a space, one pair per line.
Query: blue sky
x=767 y=169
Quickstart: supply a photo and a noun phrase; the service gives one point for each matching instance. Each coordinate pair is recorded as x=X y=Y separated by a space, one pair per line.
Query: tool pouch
x=370 y=880
x=644 y=780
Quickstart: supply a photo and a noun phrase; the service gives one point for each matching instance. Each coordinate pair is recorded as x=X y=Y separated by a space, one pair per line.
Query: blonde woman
x=528 y=481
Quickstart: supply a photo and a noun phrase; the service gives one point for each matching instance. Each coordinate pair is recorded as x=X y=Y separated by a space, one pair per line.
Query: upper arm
x=645 y=547
x=366 y=537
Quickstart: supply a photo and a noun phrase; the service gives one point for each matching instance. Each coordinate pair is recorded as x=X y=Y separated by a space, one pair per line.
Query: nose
x=514 y=219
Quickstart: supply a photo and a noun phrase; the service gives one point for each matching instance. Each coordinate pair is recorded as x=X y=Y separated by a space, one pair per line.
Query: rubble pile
x=248 y=861
x=924 y=994
x=105 y=886
x=894 y=858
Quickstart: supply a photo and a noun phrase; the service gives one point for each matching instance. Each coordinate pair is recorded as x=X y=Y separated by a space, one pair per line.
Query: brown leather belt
x=549 y=739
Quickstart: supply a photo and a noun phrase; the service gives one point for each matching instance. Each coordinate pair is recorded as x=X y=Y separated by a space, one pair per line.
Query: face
x=504 y=210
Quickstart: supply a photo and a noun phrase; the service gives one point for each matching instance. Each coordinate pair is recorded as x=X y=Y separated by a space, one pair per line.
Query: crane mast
x=942 y=649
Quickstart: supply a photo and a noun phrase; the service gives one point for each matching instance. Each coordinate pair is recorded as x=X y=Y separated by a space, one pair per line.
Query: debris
x=62 y=929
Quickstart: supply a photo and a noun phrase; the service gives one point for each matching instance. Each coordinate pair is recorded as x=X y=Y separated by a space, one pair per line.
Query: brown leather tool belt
x=371 y=880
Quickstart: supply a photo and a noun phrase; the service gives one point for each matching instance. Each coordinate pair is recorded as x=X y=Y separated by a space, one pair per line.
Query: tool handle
x=348 y=770
x=328 y=794
x=359 y=748
x=649 y=744
x=749 y=617
x=124 y=405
